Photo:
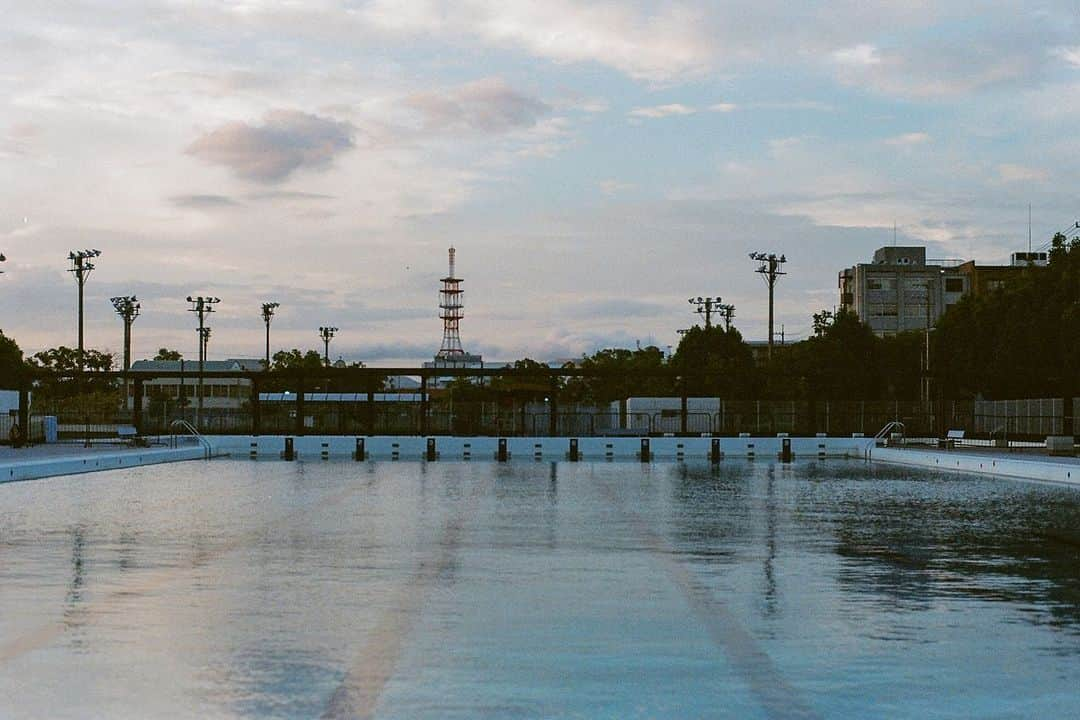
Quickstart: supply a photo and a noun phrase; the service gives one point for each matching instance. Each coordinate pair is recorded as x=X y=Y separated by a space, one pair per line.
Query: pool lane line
x=357 y=695
x=776 y=695
x=147 y=583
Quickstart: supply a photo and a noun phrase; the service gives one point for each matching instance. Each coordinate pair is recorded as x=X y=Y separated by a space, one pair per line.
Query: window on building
x=954 y=285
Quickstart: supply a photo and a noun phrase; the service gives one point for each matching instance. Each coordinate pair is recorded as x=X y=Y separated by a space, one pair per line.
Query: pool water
x=547 y=590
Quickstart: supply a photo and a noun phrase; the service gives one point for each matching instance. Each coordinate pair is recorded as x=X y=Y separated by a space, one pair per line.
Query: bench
x=129 y=434
x=950 y=439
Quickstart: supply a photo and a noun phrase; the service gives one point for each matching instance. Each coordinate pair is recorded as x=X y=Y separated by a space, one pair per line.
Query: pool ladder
x=180 y=422
x=889 y=427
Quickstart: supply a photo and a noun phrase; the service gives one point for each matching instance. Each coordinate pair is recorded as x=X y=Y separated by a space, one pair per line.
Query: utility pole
x=771 y=268
x=326 y=333
x=201 y=306
x=706 y=306
x=127 y=307
x=268 y=315
x=727 y=311
x=82 y=262
x=205 y=333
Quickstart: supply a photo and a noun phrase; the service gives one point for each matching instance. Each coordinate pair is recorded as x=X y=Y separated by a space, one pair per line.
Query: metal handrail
x=180 y=422
x=889 y=426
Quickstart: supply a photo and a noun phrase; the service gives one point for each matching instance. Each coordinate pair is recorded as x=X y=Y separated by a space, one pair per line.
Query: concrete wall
x=543 y=448
x=92 y=462
x=982 y=464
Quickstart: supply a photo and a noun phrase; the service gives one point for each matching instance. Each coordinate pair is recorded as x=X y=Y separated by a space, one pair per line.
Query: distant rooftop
x=229 y=365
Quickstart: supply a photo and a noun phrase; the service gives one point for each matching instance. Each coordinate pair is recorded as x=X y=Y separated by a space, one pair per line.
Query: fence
x=1038 y=417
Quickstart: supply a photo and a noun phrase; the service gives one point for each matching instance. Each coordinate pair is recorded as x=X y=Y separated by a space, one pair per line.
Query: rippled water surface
x=570 y=590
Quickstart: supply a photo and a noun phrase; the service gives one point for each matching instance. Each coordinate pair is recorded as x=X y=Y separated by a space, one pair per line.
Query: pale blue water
x=476 y=590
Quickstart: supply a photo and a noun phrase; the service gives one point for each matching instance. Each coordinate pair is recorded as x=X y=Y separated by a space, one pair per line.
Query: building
x=219 y=393
x=900 y=290
x=987 y=278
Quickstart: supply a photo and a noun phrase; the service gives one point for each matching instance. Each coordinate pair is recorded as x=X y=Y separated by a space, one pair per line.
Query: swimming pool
x=538 y=590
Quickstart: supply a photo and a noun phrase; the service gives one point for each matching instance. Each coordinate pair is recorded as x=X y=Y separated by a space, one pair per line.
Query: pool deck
x=996 y=463
x=42 y=461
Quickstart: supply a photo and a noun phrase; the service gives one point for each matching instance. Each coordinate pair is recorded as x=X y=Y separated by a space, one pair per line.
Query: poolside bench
x=131 y=435
x=950 y=439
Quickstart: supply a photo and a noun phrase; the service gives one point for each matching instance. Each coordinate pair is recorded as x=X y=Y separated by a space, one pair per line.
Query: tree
x=715 y=362
x=11 y=362
x=296 y=360
x=59 y=372
x=625 y=373
x=165 y=354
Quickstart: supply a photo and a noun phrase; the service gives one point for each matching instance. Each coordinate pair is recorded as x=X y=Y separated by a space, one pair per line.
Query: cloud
x=908 y=139
x=202 y=202
x=611 y=188
x=489 y=106
x=857 y=55
x=1071 y=55
x=662 y=111
x=659 y=46
x=723 y=107
x=1009 y=173
x=286 y=141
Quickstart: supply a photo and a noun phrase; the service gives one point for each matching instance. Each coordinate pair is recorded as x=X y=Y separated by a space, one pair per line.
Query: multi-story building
x=900 y=290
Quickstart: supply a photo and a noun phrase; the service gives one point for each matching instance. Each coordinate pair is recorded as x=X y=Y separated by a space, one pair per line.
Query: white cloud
x=1071 y=55
x=661 y=45
x=1010 y=173
x=908 y=139
x=857 y=55
x=723 y=107
x=662 y=111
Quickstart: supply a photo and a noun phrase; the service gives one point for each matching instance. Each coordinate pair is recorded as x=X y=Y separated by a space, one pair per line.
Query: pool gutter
x=1063 y=471
x=93 y=461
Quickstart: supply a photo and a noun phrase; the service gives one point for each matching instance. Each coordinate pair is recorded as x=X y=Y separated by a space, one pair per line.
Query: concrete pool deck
x=1027 y=466
x=42 y=461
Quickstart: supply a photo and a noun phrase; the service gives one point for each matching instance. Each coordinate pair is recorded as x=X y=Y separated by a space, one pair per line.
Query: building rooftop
x=229 y=365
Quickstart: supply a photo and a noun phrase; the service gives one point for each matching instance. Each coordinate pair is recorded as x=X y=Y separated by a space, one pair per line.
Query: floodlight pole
x=127 y=307
x=706 y=306
x=326 y=333
x=201 y=306
x=770 y=266
x=268 y=315
x=82 y=262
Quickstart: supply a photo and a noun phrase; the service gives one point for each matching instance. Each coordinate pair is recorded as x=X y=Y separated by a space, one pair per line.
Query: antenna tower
x=451 y=310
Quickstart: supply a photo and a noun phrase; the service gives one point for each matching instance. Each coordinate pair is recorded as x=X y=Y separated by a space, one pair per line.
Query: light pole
x=728 y=312
x=201 y=306
x=268 y=315
x=82 y=262
x=771 y=267
x=706 y=306
x=127 y=307
x=326 y=333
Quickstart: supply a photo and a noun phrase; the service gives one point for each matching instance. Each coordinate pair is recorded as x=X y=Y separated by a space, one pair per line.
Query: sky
x=594 y=163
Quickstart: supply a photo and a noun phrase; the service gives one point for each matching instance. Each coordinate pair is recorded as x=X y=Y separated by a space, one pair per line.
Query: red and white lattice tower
x=451 y=310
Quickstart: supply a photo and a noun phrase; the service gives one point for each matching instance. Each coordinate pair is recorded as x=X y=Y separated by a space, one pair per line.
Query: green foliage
x=167 y=354
x=59 y=368
x=11 y=362
x=622 y=376
x=1022 y=340
x=296 y=360
x=716 y=363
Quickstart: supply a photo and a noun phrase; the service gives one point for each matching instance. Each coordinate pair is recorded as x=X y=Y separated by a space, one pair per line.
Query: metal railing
x=207 y=450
